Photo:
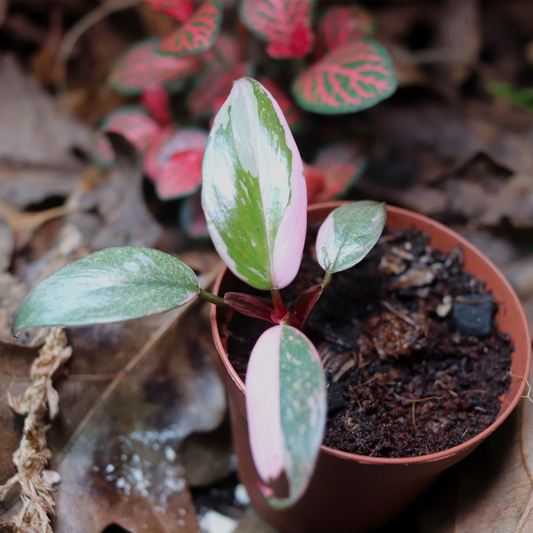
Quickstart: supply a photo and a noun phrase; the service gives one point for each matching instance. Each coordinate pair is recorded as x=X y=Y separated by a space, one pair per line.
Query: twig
x=398 y=314
x=32 y=455
x=528 y=395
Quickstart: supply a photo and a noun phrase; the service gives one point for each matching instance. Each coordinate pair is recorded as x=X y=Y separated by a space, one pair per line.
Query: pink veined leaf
x=315 y=183
x=102 y=153
x=168 y=143
x=214 y=84
x=155 y=98
x=291 y=112
x=284 y=24
x=192 y=217
x=181 y=176
x=133 y=123
x=352 y=77
x=142 y=65
x=225 y=50
x=178 y=9
x=340 y=165
x=345 y=23
x=197 y=34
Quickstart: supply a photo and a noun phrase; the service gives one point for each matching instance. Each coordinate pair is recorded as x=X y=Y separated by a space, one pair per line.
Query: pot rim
x=363 y=459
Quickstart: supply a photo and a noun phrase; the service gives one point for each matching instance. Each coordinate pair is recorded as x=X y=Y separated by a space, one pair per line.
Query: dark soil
x=412 y=384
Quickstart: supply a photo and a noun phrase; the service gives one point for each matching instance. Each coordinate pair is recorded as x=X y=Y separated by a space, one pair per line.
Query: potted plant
x=254 y=198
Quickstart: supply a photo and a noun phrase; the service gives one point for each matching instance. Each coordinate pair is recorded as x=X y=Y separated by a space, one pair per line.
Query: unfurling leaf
x=179 y=9
x=304 y=304
x=284 y=24
x=192 y=217
x=338 y=167
x=253 y=192
x=348 y=234
x=197 y=34
x=345 y=23
x=354 y=76
x=133 y=123
x=169 y=143
x=109 y=286
x=142 y=66
x=181 y=176
x=155 y=98
x=286 y=405
x=249 y=305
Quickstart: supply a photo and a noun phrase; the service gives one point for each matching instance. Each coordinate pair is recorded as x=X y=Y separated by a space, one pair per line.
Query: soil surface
x=388 y=331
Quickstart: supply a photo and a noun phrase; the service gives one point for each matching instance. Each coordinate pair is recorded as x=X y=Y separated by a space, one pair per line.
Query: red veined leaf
x=291 y=112
x=133 y=123
x=168 y=143
x=304 y=304
x=225 y=50
x=102 y=153
x=192 y=217
x=155 y=98
x=249 y=305
x=345 y=23
x=181 y=175
x=215 y=83
x=284 y=24
x=315 y=183
x=142 y=65
x=354 y=76
x=197 y=34
x=178 y=9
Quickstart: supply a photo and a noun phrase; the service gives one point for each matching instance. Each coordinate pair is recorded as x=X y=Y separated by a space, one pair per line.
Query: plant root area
x=409 y=373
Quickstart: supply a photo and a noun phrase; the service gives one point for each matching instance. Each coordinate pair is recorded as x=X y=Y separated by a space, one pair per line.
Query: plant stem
x=326 y=280
x=217 y=300
x=276 y=297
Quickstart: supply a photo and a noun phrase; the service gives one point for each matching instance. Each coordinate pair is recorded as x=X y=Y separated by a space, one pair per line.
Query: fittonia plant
x=254 y=198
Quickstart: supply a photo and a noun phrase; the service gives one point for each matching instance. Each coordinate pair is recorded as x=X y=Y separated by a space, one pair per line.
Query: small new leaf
x=348 y=234
x=286 y=405
x=181 y=176
x=109 y=286
x=354 y=76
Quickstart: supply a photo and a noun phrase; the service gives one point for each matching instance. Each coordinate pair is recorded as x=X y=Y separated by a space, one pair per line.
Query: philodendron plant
x=254 y=198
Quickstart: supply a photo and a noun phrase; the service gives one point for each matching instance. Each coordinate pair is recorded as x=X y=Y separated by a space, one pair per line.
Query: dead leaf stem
x=33 y=455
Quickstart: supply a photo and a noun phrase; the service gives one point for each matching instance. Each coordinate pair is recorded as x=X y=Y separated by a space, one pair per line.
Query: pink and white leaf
x=197 y=34
x=284 y=24
x=133 y=123
x=170 y=142
x=155 y=98
x=142 y=66
x=286 y=405
x=289 y=108
x=179 y=9
x=354 y=76
x=342 y=24
x=181 y=175
x=253 y=191
x=348 y=234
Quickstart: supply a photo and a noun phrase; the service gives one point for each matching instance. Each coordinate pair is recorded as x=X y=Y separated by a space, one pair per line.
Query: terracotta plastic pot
x=354 y=493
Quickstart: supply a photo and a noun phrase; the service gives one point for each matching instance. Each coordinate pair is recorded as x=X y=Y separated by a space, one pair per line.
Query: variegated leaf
x=225 y=50
x=345 y=23
x=289 y=108
x=179 y=9
x=102 y=153
x=339 y=166
x=181 y=176
x=284 y=24
x=348 y=234
x=315 y=183
x=109 y=286
x=155 y=98
x=214 y=84
x=192 y=217
x=286 y=406
x=133 y=123
x=142 y=65
x=253 y=192
x=354 y=76
x=197 y=34
x=171 y=142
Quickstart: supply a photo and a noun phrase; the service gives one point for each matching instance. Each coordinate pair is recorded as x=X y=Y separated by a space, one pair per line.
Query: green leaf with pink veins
x=286 y=404
x=253 y=190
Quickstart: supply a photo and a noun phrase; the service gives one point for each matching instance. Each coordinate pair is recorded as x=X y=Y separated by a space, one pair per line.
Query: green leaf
x=520 y=97
x=109 y=286
x=348 y=234
x=253 y=190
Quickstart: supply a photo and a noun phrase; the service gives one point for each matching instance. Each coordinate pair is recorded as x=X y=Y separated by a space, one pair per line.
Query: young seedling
x=254 y=199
